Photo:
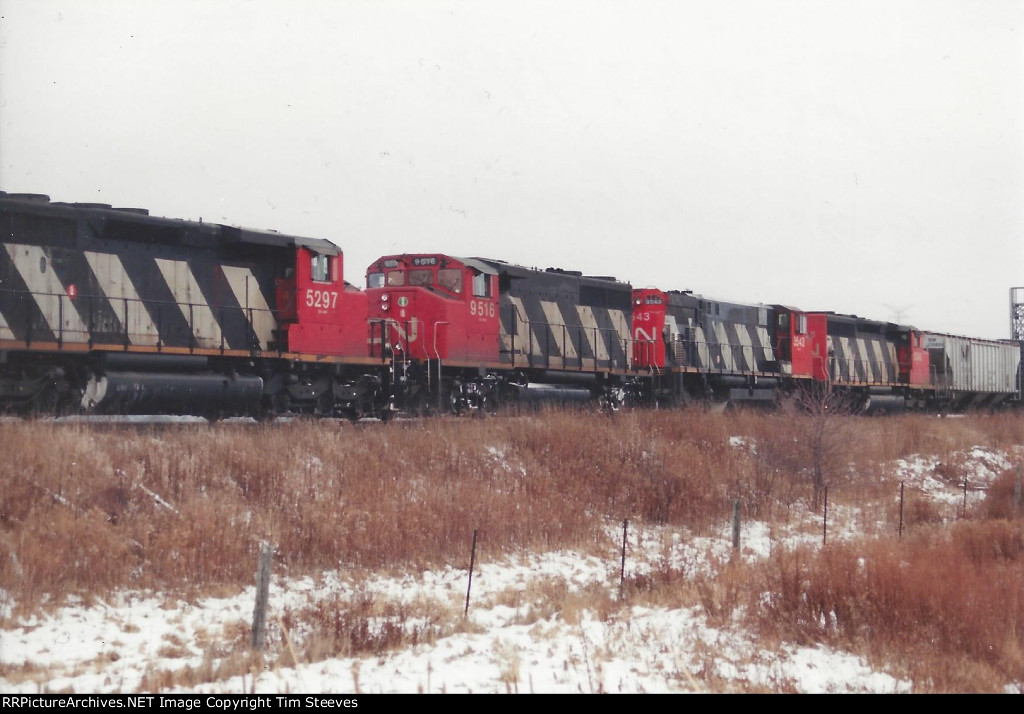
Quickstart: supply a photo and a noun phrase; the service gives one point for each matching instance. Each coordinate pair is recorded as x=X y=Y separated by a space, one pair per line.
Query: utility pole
x=1017 y=329
x=1017 y=314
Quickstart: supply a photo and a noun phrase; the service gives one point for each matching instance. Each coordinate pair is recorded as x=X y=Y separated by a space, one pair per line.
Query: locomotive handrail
x=437 y=353
x=385 y=323
x=646 y=355
x=559 y=332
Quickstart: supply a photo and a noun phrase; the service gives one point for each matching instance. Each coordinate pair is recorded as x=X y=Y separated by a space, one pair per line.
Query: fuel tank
x=124 y=392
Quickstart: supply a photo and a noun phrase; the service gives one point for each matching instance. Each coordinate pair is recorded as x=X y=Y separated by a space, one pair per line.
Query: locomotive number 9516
x=481 y=308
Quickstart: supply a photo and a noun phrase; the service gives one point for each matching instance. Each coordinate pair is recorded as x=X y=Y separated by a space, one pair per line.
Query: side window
x=450 y=279
x=481 y=285
x=801 y=324
x=321 y=268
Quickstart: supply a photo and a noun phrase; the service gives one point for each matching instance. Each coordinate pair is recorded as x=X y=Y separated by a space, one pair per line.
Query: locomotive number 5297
x=326 y=299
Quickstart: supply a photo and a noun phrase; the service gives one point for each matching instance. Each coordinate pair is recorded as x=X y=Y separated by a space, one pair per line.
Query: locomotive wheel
x=282 y=403
x=47 y=402
x=420 y=404
x=325 y=404
x=489 y=405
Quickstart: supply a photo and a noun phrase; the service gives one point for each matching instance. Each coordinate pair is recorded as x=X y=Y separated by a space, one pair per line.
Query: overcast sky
x=863 y=157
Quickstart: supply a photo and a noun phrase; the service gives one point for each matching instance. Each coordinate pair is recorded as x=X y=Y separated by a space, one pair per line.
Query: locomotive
x=472 y=333
x=112 y=310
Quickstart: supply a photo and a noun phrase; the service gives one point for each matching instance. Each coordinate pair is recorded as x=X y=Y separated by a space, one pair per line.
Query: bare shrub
x=930 y=605
x=363 y=624
x=1001 y=497
x=920 y=510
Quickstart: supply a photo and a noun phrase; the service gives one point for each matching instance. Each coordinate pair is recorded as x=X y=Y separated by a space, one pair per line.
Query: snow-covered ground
x=507 y=643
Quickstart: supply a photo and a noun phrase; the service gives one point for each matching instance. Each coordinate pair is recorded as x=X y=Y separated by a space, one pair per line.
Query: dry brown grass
x=86 y=510
x=944 y=607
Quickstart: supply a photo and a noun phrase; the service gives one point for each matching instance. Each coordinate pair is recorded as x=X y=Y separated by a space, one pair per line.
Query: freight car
x=112 y=310
x=968 y=372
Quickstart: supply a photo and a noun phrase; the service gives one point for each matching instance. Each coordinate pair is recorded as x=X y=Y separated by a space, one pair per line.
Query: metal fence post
x=622 y=570
x=736 y=524
x=469 y=585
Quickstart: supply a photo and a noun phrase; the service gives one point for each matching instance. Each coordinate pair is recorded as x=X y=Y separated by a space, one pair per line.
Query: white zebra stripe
x=766 y=344
x=882 y=373
x=180 y=279
x=703 y=351
x=525 y=339
x=890 y=348
x=249 y=296
x=58 y=310
x=5 y=331
x=862 y=356
x=592 y=332
x=563 y=340
x=847 y=360
x=621 y=326
x=724 y=346
x=124 y=300
x=747 y=345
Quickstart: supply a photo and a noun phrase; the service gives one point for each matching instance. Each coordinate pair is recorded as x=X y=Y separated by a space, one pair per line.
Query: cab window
x=375 y=280
x=481 y=285
x=450 y=279
x=320 y=268
x=396 y=278
x=421 y=277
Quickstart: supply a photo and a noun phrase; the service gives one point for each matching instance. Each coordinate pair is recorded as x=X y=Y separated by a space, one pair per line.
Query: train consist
x=111 y=310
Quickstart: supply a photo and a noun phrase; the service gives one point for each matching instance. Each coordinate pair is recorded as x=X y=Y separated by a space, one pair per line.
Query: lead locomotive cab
x=434 y=307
